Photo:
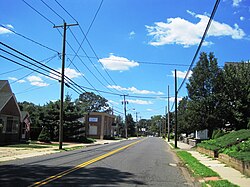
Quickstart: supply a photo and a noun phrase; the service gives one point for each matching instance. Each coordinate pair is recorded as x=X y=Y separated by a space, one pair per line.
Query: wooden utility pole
x=62 y=81
x=168 y=118
x=176 y=93
x=124 y=102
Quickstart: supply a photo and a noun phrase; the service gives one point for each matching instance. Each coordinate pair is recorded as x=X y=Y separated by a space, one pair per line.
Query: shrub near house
x=232 y=149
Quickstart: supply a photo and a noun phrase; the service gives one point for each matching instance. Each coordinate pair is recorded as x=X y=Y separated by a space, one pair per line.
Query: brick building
x=100 y=125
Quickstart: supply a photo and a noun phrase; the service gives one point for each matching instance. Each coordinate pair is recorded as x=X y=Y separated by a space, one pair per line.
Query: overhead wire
x=202 y=39
x=47 y=61
x=54 y=72
x=27 y=38
x=85 y=37
x=66 y=40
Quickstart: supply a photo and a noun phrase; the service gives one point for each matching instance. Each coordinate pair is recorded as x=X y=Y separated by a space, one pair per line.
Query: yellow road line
x=82 y=165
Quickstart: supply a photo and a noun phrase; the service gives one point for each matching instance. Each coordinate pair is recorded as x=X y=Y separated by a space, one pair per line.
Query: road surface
x=141 y=162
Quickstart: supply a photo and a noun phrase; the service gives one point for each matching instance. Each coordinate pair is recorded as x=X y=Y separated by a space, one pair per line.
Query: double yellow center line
x=60 y=175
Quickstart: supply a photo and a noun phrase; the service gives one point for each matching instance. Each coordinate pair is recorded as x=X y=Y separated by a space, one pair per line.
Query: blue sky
x=130 y=41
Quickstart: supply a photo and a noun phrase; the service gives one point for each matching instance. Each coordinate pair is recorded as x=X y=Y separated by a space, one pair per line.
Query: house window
x=12 y=125
x=9 y=124
x=1 y=125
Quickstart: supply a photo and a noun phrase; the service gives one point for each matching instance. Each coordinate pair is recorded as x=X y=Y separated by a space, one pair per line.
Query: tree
x=130 y=125
x=237 y=94
x=204 y=91
x=156 y=124
x=90 y=102
x=44 y=135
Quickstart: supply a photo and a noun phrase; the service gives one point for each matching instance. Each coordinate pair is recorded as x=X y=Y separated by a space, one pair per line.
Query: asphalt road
x=147 y=162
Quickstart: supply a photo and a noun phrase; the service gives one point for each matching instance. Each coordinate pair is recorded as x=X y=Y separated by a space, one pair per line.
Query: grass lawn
x=219 y=183
x=200 y=170
x=197 y=168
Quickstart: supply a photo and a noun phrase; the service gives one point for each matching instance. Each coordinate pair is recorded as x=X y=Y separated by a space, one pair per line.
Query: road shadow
x=25 y=175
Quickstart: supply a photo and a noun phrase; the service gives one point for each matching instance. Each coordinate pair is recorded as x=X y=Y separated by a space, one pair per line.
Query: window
x=12 y=125
x=1 y=125
x=9 y=124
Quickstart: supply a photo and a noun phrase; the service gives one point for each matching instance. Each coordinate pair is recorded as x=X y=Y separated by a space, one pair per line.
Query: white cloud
x=132 y=34
x=172 y=99
x=70 y=73
x=21 y=81
x=181 y=74
x=117 y=63
x=236 y=3
x=134 y=90
x=36 y=81
x=140 y=102
x=149 y=109
x=6 y=31
x=183 y=32
x=242 y=18
x=15 y=79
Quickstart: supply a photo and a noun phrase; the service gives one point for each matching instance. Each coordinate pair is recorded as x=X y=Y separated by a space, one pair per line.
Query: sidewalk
x=13 y=153
x=228 y=173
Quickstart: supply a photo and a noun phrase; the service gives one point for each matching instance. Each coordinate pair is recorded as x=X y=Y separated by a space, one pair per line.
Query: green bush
x=44 y=135
x=215 y=132
x=226 y=141
x=83 y=139
x=219 y=134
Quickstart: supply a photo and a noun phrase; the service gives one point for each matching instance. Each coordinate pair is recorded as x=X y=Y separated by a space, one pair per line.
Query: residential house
x=100 y=125
x=9 y=115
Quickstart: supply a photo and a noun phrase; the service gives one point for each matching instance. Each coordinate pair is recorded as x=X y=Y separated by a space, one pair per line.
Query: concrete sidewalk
x=225 y=172
x=13 y=153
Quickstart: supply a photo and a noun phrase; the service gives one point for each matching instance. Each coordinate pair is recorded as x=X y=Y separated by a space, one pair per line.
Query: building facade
x=9 y=115
x=100 y=125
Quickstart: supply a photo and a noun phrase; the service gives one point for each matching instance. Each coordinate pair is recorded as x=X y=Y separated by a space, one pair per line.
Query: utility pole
x=175 y=129
x=168 y=118
x=62 y=81
x=125 y=114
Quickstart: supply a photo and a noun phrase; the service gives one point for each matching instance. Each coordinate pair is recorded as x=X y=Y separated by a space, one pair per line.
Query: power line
x=47 y=61
x=38 y=12
x=54 y=72
x=52 y=10
x=11 y=71
x=202 y=39
x=140 y=62
x=27 y=38
x=85 y=38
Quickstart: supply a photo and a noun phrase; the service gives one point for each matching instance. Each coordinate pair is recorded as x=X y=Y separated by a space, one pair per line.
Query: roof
x=5 y=86
x=7 y=98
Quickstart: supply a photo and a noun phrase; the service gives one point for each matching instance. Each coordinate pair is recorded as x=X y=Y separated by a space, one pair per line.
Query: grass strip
x=198 y=169
x=221 y=183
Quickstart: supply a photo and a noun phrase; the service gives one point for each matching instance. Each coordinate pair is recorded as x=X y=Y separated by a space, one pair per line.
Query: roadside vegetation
x=199 y=171
x=197 y=168
x=235 y=144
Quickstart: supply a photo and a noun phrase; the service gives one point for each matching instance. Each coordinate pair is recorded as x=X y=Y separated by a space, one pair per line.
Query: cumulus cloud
x=132 y=34
x=36 y=81
x=140 y=102
x=134 y=90
x=70 y=73
x=181 y=74
x=236 y=3
x=172 y=99
x=242 y=18
x=6 y=31
x=116 y=63
x=183 y=32
x=15 y=79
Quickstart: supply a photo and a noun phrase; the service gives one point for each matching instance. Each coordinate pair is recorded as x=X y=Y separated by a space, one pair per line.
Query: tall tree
x=90 y=102
x=131 y=125
x=237 y=94
x=204 y=89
